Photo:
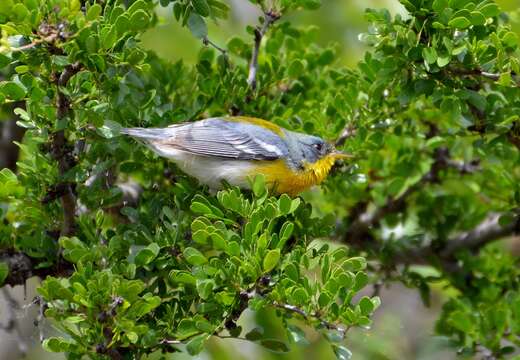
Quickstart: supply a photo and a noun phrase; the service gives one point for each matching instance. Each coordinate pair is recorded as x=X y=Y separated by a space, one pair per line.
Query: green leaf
x=271 y=260
x=4 y=272
x=136 y=6
x=110 y=129
x=462 y=321
x=200 y=236
x=4 y=60
x=490 y=10
x=408 y=5
x=341 y=352
x=186 y=329
x=12 y=90
x=181 y=277
x=297 y=335
x=200 y=208
x=196 y=345
x=147 y=255
x=93 y=12
x=510 y=39
x=197 y=26
x=284 y=204
x=442 y=61
x=55 y=344
x=396 y=186
x=201 y=7
x=194 y=256
x=21 y=69
x=255 y=334
x=326 y=57
x=285 y=233
x=477 y=18
x=324 y=300
x=356 y=263
x=296 y=68
x=108 y=37
x=205 y=326
x=459 y=23
x=122 y=26
x=274 y=345
x=439 y=5
x=132 y=337
x=360 y=281
x=20 y=11
x=366 y=306
x=205 y=288
x=259 y=187
x=140 y=20
x=430 y=55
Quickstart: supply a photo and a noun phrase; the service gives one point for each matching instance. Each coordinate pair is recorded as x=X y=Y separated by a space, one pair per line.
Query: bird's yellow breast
x=282 y=179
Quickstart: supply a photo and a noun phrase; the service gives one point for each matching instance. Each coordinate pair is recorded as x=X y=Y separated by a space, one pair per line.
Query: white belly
x=209 y=170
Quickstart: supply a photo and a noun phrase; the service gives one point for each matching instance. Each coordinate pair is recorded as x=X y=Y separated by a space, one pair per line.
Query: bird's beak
x=340 y=155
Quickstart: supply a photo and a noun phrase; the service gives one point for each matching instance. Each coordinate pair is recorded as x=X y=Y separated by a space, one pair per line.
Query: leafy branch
x=359 y=230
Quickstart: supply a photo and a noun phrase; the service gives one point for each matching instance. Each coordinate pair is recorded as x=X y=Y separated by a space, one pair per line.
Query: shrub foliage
x=136 y=257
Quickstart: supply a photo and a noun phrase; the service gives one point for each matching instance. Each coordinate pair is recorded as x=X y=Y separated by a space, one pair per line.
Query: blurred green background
x=403 y=327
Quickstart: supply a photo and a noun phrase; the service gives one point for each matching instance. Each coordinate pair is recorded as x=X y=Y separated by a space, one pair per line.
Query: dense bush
x=135 y=257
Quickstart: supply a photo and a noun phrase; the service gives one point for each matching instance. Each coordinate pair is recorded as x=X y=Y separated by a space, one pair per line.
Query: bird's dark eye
x=318 y=146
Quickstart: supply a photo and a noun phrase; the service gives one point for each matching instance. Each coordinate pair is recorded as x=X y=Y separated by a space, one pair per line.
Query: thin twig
x=171 y=342
x=206 y=41
x=269 y=18
x=484 y=74
x=47 y=39
x=292 y=308
x=26 y=47
x=348 y=131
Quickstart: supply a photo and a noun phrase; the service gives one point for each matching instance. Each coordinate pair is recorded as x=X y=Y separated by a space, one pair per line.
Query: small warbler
x=236 y=148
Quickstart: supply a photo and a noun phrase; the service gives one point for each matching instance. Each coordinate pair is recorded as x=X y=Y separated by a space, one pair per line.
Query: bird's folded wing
x=226 y=139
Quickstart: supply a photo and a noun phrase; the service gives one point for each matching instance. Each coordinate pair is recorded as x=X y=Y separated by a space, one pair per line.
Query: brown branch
x=22 y=267
x=269 y=18
x=331 y=326
x=359 y=230
x=484 y=74
x=43 y=40
x=61 y=151
x=487 y=231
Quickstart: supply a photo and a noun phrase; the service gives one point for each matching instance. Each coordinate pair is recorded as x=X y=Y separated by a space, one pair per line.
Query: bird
x=234 y=149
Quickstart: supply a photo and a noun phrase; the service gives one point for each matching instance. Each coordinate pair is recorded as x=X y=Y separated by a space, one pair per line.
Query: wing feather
x=226 y=139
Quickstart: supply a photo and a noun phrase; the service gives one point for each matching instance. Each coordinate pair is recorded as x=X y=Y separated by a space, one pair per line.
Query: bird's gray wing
x=218 y=137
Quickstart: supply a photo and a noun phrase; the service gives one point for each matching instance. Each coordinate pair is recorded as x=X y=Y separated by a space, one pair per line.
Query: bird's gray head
x=312 y=148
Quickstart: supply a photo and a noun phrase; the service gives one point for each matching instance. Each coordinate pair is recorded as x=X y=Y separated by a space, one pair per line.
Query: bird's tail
x=145 y=134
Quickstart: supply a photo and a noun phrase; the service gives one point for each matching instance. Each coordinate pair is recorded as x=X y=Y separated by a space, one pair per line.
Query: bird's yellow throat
x=283 y=179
